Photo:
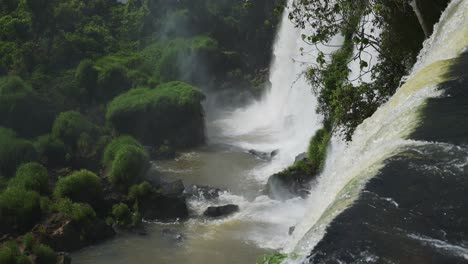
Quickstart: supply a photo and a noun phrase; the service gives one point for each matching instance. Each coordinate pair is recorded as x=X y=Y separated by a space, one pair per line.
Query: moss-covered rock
x=170 y=112
x=295 y=180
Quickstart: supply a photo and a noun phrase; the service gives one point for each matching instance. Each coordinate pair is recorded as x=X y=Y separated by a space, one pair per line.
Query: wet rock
x=221 y=211
x=173 y=235
x=63 y=258
x=300 y=157
x=170 y=186
x=267 y=156
x=291 y=230
x=202 y=192
x=165 y=208
x=288 y=184
x=63 y=234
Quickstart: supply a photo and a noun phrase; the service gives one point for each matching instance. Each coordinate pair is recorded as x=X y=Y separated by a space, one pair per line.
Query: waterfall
x=349 y=167
x=285 y=118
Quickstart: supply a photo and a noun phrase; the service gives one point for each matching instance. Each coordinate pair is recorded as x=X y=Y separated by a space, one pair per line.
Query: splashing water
x=349 y=167
x=285 y=118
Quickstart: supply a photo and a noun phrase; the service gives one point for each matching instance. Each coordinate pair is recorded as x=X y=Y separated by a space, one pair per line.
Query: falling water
x=285 y=118
x=348 y=168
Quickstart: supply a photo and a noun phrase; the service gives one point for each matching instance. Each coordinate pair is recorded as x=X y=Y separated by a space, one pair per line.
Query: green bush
x=7 y=256
x=116 y=145
x=139 y=191
x=19 y=209
x=128 y=167
x=79 y=212
x=23 y=260
x=273 y=258
x=51 y=151
x=86 y=76
x=28 y=241
x=69 y=126
x=317 y=151
x=170 y=112
x=44 y=254
x=31 y=176
x=81 y=186
x=13 y=152
x=22 y=109
x=121 y=214
x=112 y=80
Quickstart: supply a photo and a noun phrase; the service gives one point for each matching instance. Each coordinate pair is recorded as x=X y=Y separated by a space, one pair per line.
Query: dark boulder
x=267 y=156
x=290 y=183
x=221 y=211
x=300 y=157
x=202 y=192
x=165 y=208
x=63 y=258
x=64 y=234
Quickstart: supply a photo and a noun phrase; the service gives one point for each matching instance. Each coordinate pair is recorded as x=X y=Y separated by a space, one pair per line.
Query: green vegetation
x=78 y=212
x=21 y=107
x=51 y=151
x=170 y=112
x=128 y=167
x=75 y=76
x=117 y=144
x=44 y=254
x=13 y=152
x=31 y=176
x=139 y=191
x=70 y=126
x=273 y=258
x=121 y=214
x=81 y=186
x=317 y=151
x=19 y=209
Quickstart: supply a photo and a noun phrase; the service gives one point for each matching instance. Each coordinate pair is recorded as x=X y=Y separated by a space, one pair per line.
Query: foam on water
x=349 y=167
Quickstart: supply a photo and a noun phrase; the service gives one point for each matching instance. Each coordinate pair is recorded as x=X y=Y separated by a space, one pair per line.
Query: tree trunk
x=420 y=17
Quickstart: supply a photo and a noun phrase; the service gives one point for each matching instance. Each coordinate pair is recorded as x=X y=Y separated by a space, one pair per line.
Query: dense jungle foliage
x=91 y=90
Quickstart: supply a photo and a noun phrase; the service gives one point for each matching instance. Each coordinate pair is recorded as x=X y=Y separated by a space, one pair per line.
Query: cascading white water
x=349 y=167
x=285 y=118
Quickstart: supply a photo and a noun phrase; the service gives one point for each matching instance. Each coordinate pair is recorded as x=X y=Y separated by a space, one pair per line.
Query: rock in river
x=220 y=211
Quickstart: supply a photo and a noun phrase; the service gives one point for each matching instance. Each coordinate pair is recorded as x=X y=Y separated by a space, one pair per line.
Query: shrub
x=78 y=212
x=317 y=151
x=28 y=241
x=19 y=208
x=122 y=214
x=170 y=112
x=13 y=152
x=44 y=254
x=139 y=191
x=23 y=260
x=7 y=256
x=80 y=186
x=69 y=126
x=22 y=109
x=116 y=145
x=112 y=81
x=31 y=176
x=86 y=76
x=273 y=258
x=128 y=167
x=51 y=151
